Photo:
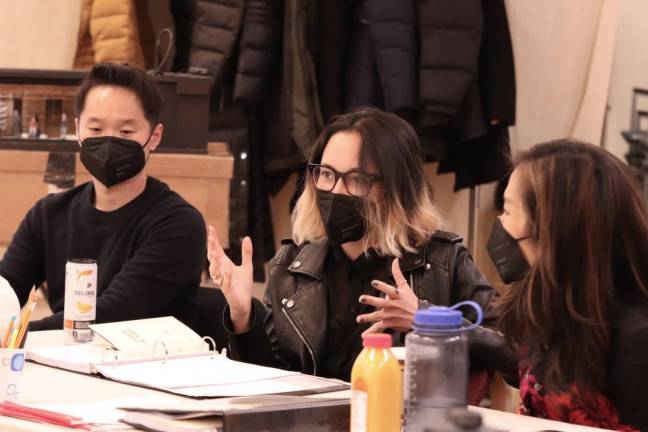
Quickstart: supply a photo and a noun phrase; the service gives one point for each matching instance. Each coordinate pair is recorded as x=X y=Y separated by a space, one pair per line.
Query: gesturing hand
x=235 y=281
x=396 y=310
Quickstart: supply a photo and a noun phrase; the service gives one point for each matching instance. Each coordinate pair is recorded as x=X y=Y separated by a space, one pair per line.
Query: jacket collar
x=311 y=259
x=413 y=260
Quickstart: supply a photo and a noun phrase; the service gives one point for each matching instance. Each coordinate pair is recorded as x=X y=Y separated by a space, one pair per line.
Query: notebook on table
x=125 y=340
x=164 y=354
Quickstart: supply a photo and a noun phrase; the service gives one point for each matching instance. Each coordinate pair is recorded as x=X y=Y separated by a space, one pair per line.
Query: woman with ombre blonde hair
x=366 y=253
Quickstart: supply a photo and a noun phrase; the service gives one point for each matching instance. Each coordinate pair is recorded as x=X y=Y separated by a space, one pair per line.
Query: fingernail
x=374 y=284
x=358 y=319
x=362 y=299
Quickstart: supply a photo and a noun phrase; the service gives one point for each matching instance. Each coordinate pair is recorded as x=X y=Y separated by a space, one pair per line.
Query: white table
x=46 y=385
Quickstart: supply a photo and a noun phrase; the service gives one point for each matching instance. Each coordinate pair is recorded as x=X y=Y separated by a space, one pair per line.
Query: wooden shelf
x=185 y=114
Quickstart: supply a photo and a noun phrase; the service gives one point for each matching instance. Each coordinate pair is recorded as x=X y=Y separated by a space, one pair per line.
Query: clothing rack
x=637 y=138
x=473 y=220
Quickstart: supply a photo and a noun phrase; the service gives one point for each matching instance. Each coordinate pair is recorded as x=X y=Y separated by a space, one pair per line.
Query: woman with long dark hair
x=573 y=244
x=366 y=253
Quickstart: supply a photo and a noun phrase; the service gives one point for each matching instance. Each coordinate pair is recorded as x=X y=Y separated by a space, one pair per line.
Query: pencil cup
x=12 y=362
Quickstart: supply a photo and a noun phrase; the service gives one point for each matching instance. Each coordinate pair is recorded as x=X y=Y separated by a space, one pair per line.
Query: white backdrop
x=38 y=34
x=563 y=58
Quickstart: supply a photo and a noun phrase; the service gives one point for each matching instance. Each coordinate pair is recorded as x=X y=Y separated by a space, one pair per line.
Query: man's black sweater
x=150 y=253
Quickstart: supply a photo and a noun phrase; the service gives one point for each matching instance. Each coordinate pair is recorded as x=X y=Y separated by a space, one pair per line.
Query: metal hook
x=206 y=340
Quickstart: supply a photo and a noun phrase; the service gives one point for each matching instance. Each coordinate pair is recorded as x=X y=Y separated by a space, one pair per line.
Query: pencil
x=14 y=336
x=24 y=322
x=5 y=339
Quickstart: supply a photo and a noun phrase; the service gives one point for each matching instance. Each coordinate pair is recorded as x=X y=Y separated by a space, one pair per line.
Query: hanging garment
x=114 y=30
x=332 y=30
x=487 y=158
x=292 y=116
x=216 y=28
x=450 y=42
x=236 y=42
x=382 y=68
x=257 y=47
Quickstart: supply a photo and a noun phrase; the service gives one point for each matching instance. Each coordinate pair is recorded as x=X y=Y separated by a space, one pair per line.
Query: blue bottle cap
x=437 y=318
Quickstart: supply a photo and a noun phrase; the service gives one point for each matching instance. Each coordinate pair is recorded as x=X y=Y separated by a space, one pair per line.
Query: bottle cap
x=438 y=317
x=378 y=340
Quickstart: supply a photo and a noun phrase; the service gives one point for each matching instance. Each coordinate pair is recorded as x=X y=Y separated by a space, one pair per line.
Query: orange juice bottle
x=376 y=387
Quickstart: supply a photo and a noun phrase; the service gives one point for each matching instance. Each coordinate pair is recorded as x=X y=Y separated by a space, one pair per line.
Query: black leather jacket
x=291 y=332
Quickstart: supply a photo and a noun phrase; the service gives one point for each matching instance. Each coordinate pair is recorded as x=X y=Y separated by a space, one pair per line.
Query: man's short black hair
x=128 y=77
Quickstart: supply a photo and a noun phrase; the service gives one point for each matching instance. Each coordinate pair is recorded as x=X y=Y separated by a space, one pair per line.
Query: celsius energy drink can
x=80 y=300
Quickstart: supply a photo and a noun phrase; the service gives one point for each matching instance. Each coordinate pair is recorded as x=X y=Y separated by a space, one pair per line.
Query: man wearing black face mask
x=148 y=242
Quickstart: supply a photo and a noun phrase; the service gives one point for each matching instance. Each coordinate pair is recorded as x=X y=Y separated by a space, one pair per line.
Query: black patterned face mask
x=342 y=217
x=506 y=254
x=112 y=160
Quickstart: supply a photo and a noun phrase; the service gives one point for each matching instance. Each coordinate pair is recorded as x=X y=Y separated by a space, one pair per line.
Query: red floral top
x=567 y=406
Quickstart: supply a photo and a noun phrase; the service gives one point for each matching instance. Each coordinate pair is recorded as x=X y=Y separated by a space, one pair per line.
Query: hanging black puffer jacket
x=383 y=56
x=487 y=157
x=236 y=42
x=451 y=37
x=258 y=48
x=215 y=32
x=431 y=82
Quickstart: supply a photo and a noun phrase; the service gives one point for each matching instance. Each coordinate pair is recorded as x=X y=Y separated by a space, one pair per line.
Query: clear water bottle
x=63 y=127
x=436 y=366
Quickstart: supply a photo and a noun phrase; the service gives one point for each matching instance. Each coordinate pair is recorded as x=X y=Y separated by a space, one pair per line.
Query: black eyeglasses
x=357 y=183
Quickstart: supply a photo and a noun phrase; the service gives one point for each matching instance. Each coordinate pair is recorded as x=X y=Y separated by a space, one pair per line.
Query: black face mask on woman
x=506 y=254
x=341 y=216
x=112 y=160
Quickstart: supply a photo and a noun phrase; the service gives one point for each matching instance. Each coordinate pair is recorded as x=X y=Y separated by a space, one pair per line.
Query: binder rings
x=164 y=354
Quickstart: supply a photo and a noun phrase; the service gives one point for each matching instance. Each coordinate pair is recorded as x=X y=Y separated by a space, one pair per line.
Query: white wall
x=629 y=70
x=38 y=34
